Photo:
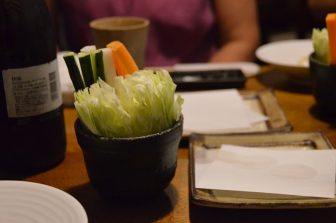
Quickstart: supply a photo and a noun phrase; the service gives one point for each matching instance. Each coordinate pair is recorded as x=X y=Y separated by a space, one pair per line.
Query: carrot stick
x=331 y=27
x=123 y=61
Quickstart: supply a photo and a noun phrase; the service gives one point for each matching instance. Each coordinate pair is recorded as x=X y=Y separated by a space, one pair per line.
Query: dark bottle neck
x=28 y=35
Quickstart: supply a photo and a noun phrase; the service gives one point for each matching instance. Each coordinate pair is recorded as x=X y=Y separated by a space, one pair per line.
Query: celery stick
x=99 y=64
x=91 y=50
x=74 y=72
x=85 y=63
x=321 y=45
x=109 y=68
x=94 y=65
x=88 y=49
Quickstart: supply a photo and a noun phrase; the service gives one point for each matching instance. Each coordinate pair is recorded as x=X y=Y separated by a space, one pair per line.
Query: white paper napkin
x=292 y=172
x=217 y=111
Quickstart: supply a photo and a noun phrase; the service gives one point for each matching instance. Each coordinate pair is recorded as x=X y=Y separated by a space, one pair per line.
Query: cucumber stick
x=74 y=71
x=91 y=49
x=86 y=65
x=93 y=64
x=99 y=64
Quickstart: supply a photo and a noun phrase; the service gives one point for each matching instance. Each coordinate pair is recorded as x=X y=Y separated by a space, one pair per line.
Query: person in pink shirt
x=181 y=31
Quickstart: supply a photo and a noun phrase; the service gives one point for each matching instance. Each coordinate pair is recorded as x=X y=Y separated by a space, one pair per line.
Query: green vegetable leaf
x=321 y=45
x=140 y=104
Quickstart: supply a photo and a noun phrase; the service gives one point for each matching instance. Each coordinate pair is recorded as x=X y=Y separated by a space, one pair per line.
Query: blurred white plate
x=289 y=55
x=27 y=202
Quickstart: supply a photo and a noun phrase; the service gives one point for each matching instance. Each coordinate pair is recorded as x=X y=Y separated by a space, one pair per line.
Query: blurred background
x=292 y=19
x=278 y=19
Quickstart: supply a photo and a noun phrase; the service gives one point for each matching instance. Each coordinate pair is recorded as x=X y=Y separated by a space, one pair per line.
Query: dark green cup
x=130 y=167
x=323 y=78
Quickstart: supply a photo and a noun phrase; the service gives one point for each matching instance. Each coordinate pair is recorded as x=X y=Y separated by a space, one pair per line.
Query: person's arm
x=238 y=29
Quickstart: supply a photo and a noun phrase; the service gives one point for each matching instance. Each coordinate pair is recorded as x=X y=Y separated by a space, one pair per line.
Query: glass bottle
x=32 y=132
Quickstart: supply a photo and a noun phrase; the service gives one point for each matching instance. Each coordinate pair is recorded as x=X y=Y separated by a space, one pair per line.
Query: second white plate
x=290 y=54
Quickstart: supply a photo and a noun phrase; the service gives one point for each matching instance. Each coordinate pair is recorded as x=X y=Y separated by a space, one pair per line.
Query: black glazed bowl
x=130 y=167
x=323 y=83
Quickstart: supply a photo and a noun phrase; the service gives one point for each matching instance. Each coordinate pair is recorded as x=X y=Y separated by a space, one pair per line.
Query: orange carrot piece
x=123 y=61
x=331 y=27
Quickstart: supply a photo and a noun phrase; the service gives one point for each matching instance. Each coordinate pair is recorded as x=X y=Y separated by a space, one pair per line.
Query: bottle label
x=32 y=91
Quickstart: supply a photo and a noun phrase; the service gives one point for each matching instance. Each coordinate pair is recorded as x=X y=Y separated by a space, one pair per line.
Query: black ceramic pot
x=324 y=84
x=130 y=167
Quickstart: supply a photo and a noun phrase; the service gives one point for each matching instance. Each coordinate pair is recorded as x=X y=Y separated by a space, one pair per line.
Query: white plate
x=290 y=54
x=27 y=202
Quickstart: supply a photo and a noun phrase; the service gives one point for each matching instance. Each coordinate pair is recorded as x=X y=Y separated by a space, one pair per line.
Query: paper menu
x=292 y=172
x=217 y=111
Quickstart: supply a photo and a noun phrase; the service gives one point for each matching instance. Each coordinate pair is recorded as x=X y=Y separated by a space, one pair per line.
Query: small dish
x=29 y=202
x=252 y=200
x=290 y=56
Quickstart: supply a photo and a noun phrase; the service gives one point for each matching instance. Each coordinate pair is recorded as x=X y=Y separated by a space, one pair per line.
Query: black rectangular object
x=208 y=79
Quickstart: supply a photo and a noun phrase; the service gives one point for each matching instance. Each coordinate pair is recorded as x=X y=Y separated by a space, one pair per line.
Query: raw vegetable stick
x=321 y=45
x=109 y=68
x=91 y=49
x=85 y=63
x=331 y=27
x=122 y=59
x=74 y=71
x=99 y=64
x=88 y=49
x=94 y=66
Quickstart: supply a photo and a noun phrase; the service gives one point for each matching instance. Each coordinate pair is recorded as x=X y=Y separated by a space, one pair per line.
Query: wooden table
x=174 y=205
